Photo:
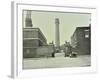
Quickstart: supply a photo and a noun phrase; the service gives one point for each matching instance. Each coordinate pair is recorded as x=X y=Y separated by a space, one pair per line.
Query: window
x=86 y=33
x=86 y=36
x=27 y=51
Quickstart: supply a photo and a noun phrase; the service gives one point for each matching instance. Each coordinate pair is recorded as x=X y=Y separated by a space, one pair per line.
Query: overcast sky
x=68 y=23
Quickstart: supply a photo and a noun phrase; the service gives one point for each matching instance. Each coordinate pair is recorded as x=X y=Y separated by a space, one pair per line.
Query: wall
x=84 y=43
x=79 y=42
x=5 y=40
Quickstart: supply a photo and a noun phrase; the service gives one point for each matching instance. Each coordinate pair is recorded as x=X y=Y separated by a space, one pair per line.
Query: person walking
x=66 y=49
x=69 y=48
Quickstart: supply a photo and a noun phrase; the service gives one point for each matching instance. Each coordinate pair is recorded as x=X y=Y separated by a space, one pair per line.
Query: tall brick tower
x=28 y=20
x=57 y=37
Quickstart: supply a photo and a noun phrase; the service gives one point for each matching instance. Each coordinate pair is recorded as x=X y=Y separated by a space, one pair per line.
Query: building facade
x=81 y=40
x=32 y=39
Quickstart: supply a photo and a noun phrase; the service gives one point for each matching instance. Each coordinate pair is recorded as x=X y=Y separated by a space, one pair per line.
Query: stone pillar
x=57 y=40
x=28 y=20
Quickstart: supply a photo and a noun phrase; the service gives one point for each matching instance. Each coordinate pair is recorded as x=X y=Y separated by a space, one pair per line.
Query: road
x=57 y=62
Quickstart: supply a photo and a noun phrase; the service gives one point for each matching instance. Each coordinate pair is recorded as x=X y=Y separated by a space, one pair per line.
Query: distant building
x=32 y=39
x=81 y=40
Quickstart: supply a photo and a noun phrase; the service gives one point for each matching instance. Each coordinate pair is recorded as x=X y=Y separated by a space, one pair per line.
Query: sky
x=68 y=23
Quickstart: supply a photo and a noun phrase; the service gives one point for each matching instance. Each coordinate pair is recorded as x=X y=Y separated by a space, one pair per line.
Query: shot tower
x=57 y=37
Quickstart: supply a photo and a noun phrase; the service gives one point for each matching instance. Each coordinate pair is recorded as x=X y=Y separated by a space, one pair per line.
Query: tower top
x=56 y=20
x=28 y=14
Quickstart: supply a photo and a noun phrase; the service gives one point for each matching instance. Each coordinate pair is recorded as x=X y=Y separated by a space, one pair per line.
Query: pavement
x=58 y=61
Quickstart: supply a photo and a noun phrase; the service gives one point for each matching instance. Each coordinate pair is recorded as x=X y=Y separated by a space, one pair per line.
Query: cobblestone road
x=57 y=62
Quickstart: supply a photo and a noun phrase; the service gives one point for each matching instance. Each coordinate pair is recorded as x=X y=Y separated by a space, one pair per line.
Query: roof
x=82 y=28
x=38 y=29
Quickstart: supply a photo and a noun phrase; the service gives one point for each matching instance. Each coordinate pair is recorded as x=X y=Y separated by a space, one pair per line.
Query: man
x=67 y=49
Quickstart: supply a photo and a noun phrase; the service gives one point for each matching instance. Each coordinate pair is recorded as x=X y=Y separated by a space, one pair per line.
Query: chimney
x=57 y=39
x=28 y=20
